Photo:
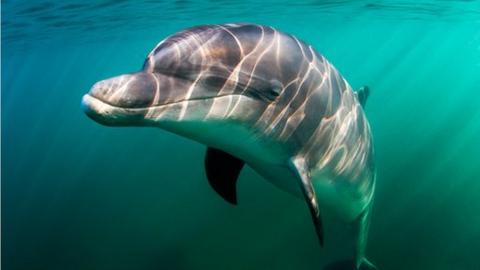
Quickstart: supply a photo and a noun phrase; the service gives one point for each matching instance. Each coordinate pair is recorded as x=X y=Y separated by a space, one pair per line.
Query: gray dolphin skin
x=254 y=95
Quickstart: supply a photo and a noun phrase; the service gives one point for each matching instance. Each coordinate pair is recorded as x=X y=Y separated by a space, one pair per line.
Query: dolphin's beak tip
x=85 y=104
x=89 y=109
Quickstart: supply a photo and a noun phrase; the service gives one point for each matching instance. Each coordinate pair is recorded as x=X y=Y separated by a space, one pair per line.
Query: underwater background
x=78 y=195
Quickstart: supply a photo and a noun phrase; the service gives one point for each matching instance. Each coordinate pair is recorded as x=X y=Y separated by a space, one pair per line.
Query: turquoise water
x=77 y=195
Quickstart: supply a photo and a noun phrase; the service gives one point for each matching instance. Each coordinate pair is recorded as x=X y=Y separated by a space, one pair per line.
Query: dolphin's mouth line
x=158 y=106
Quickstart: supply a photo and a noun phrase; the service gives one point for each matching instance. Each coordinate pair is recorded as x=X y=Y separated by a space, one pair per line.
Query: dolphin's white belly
x=330 y=197
x=279 y=175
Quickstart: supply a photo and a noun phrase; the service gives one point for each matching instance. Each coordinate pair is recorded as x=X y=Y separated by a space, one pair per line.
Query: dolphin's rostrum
x=260 y=97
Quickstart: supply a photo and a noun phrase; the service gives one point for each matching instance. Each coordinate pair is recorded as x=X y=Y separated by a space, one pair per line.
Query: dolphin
x=257 y=96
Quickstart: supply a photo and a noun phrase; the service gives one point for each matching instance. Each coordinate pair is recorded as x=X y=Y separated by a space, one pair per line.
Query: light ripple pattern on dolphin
x=266 y=98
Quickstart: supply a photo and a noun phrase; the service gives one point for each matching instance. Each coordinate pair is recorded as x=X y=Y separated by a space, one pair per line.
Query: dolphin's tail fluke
x=350 y=265
x=366 y=265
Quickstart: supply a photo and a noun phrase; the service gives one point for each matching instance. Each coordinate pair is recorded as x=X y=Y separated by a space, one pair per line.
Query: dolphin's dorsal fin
x=362 y=94
x=222 y=171
x=298 y=166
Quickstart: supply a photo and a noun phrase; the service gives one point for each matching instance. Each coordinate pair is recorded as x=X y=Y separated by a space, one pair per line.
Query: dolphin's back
x=238 y=58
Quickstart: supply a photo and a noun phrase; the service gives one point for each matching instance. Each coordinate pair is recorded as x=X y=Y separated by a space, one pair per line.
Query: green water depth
x=77 y=195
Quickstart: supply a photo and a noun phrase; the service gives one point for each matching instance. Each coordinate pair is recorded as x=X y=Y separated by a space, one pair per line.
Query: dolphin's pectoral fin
x=222 y=172
x=299 y=168
x=362 y=94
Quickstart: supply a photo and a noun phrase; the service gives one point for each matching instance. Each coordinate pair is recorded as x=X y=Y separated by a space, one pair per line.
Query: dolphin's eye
x=275 y=91
x=266 y=91
x=272 y=93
